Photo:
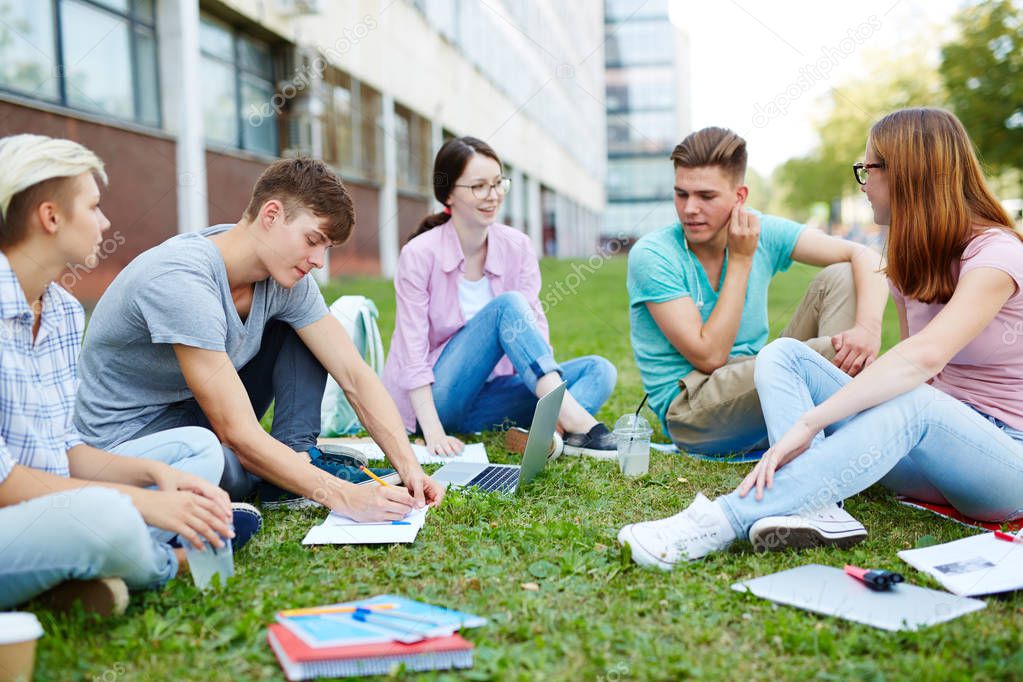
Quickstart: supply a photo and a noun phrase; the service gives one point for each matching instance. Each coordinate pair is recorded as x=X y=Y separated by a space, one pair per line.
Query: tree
x=982 y=70
x=894 y=81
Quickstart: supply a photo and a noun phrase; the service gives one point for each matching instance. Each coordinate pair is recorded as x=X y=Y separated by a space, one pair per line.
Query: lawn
x=593 y=614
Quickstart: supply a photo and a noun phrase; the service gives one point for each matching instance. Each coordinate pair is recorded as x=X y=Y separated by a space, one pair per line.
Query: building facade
x=187 y=101
x=647 y=77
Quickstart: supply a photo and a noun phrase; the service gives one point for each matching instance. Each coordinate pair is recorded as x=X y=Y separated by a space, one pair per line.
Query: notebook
x=829 y=591
x=397 y=619
x=980 y=564
x=953 y=514
x=473 y=452
x=302 y=662
x=338 y=529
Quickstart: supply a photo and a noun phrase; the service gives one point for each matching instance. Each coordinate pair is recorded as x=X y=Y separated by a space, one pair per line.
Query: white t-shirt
x=473 y=296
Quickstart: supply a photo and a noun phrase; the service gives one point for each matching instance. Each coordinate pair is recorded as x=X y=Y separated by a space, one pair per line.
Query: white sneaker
x=829 y=525
x=691 y=534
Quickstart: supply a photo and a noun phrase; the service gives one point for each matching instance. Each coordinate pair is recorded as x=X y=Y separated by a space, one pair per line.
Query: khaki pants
x=719 y=413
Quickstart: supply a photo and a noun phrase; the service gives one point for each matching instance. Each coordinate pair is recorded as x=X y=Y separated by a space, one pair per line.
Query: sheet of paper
x=980 y=564
x=473 y=452
x=338 y=529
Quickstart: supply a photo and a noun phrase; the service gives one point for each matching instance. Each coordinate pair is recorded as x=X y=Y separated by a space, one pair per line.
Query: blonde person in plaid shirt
x=78 y=523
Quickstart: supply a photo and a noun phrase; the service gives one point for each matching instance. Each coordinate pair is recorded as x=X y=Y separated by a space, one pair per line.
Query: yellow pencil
x=316 y=610
x=373 y=476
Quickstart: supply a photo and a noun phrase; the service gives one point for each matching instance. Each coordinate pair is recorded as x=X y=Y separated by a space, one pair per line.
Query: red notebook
x=302 y=662
x=953 y=514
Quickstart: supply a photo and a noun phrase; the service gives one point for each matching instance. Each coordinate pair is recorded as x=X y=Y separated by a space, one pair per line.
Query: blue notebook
x=387 y=618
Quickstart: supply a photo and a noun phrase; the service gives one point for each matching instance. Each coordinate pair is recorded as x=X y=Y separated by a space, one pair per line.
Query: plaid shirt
x=37 y=380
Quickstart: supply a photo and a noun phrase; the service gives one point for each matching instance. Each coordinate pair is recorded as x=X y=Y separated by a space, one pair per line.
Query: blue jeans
x=284 y=372
x=466 y=402
x=97 y=532
x=923 y=443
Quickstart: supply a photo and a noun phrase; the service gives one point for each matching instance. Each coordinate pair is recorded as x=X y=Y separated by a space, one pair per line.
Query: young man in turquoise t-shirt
x=698 y=300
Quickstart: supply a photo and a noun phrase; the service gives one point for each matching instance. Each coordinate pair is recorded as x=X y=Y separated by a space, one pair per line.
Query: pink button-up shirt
x=428 y=312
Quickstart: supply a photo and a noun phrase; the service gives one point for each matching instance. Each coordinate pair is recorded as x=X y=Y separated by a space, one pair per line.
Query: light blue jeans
x=923 y=443
x=97 y=532
x=466 y=402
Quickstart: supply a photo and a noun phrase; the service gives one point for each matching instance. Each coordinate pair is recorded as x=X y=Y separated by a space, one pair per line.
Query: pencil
x=316 y=610
x=373 y=476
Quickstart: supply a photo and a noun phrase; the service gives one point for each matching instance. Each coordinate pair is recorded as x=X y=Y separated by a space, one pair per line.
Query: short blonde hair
x=28 y=161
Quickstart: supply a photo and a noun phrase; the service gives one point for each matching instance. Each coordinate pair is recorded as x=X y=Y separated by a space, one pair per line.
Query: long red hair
x=937 y=193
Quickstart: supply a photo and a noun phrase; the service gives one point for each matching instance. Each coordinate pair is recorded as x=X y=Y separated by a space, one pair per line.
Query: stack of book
x=370 y=637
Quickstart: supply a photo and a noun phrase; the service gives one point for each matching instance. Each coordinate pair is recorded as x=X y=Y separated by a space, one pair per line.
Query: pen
x=402 y=616
x=373 y=476
x=875 y=579
x=317 y=610
x=370 y=617
x=1008 y=537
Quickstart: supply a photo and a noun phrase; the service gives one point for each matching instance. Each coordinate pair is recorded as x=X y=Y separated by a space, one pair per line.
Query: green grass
x=595 y=616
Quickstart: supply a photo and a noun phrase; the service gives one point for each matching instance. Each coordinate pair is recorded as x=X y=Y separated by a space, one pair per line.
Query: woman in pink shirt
x=471 y=349
x=939 y=417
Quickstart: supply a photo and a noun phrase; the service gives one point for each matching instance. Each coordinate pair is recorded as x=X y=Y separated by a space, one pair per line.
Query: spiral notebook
x=300 y=661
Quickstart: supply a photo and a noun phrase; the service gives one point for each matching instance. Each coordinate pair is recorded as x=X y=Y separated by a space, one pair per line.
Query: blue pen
x=370 y=617
x=402 y=616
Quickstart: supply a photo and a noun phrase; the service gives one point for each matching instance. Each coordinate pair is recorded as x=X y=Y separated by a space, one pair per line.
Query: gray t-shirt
x=174 y=293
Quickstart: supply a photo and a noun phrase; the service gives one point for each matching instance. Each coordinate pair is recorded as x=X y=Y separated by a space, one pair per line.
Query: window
x=238 y=88
x=630 y=9
x=103 y=60
x=649 y=178
x=639 y=42
x=648 y=87
x=412 y=135
x=369 y=113
x=338 y=118
x=642 y=132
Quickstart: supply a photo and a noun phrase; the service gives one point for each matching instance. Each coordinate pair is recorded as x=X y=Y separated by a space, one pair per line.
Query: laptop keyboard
x=499 y=479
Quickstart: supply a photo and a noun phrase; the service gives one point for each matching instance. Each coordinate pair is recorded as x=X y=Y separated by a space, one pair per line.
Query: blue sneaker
x=343 y=463
x=247 y=522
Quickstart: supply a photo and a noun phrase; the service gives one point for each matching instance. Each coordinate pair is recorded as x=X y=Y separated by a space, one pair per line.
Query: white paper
x=473 y=452
x=338 y=529
x=980 y=564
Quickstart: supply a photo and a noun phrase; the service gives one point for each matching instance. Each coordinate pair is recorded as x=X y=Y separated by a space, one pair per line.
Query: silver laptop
x=510 y=477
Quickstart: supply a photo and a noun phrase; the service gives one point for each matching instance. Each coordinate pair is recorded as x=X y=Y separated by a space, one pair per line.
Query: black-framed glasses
x=862 y=170
x=481 y=190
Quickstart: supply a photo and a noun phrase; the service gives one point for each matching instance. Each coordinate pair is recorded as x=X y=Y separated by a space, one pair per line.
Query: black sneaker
x=598 y=443
x=338 y=461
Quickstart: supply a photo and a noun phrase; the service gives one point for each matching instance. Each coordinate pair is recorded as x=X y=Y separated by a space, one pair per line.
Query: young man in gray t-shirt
x=210 y=327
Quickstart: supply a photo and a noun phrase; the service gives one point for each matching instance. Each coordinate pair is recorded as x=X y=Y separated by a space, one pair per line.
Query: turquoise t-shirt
x=661 y=270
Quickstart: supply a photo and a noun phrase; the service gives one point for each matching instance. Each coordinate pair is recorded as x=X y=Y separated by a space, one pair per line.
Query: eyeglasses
x=481 y=190
x=862 y=170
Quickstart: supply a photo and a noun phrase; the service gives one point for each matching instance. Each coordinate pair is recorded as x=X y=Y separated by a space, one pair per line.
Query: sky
x=762 y=67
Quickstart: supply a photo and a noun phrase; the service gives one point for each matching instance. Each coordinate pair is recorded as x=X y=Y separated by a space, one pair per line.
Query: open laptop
x=507 y=478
